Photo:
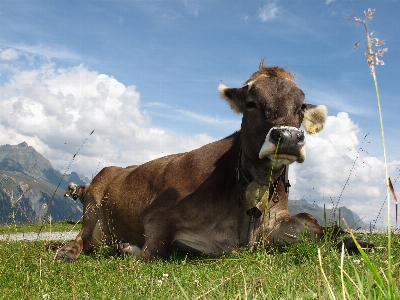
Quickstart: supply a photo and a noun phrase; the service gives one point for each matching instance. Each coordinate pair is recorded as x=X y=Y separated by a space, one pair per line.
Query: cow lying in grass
x=216 y=198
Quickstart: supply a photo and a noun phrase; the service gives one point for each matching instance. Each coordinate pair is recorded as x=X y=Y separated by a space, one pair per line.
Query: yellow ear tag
x=312 y=129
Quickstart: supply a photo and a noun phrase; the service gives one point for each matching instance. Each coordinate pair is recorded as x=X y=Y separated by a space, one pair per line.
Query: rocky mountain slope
x=28 y=187
x=25 y=159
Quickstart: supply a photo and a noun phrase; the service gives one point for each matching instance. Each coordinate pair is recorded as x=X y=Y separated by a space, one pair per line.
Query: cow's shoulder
x=203 y=159
x=209 y=155
x=179 y=175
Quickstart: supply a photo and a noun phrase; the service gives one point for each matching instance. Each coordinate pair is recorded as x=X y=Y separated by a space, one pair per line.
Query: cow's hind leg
x=158 y=240
x=126 y=249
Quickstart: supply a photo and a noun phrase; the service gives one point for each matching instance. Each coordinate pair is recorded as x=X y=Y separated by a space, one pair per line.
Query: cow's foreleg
x=291 y=230
x=87 y=238
x=70 y=251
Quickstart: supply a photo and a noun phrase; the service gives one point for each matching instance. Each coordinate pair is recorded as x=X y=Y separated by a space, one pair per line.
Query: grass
x=27 y=270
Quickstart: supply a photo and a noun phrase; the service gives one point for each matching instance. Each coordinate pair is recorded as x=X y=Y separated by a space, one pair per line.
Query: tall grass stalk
x=331 y=293
x=388 y=291
x=266 y=209
x=59 y=183
x=341 y=272
x=372 y=65
x=360 y=292
x=373 y=57
x=181 y=288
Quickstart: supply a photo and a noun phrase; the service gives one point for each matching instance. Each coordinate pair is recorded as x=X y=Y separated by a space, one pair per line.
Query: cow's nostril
x=300 y=137
x=276 y=135
x=287 y=137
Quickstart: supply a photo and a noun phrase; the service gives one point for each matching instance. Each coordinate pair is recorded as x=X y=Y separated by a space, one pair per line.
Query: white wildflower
x=368 y=14
x=371 y=56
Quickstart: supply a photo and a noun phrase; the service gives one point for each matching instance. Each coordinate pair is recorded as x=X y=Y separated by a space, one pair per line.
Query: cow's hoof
x=65 y=255
x=351 y=247
x=126 y=249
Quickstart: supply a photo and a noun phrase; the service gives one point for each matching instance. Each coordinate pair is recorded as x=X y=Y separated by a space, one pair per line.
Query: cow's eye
x=304 y=107
x=251 y=104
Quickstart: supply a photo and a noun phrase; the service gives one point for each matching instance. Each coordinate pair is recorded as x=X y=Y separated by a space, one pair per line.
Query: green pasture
x=28 y=271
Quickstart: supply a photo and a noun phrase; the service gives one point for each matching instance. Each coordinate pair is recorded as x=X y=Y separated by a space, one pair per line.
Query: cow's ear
x=236 y=97
x=314 y=117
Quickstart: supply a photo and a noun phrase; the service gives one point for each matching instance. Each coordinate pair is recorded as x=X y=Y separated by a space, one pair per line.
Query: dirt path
x=70 y=235
x=43 y=236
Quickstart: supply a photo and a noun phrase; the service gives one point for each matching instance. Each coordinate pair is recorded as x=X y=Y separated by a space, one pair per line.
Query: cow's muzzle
x=284 y=145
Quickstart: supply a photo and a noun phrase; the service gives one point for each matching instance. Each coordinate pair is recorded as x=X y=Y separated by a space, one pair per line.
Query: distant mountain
x=332 y=216
x=28 y=187
x=25 y=159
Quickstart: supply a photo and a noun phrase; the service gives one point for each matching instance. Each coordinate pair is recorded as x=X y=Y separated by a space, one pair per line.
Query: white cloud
x=268 y=12
x=8 y=54
x=55 y=110
x=329 y=2
x=338 y=165
x=44 y=51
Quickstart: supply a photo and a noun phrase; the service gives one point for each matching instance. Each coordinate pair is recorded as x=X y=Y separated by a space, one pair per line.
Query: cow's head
x=273 y=109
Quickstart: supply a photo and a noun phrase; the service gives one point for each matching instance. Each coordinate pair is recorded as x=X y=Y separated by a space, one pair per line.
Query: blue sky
x=144 y=75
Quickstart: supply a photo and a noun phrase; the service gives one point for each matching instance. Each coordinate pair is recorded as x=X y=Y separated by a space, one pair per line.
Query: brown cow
x=215 y=198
